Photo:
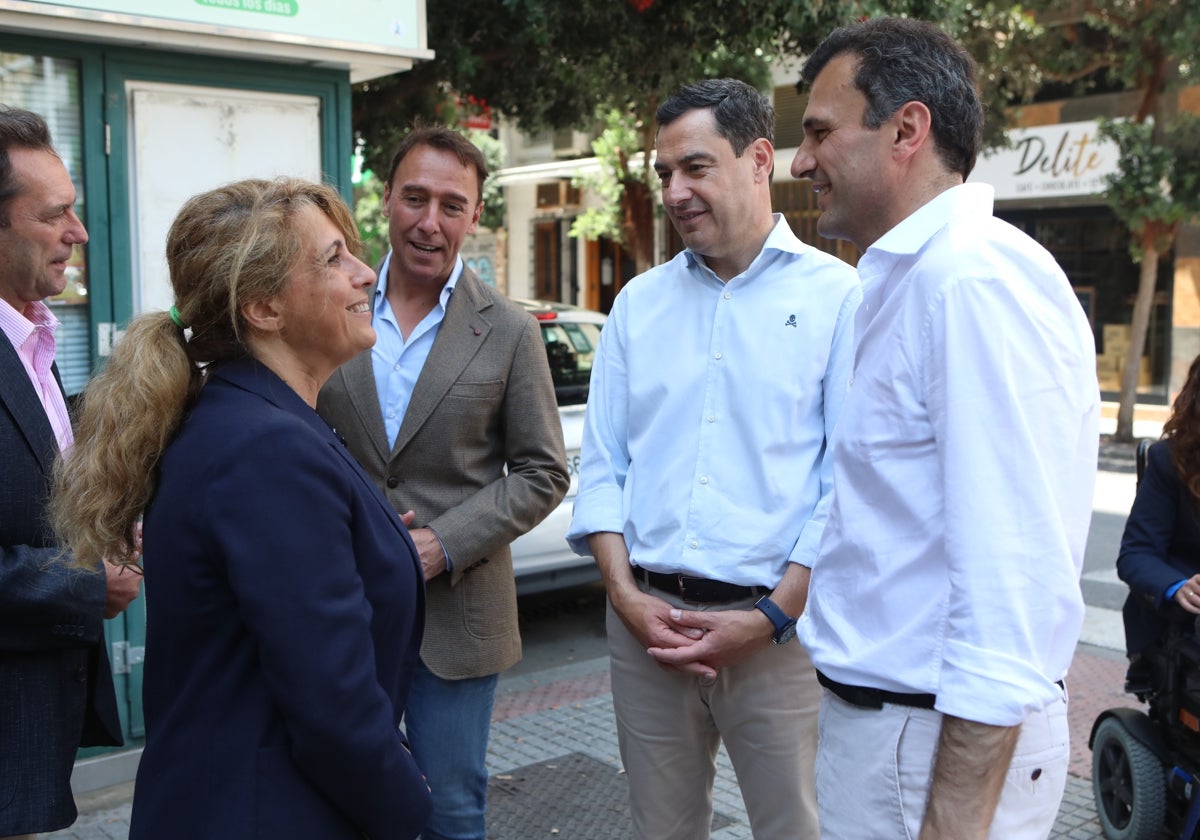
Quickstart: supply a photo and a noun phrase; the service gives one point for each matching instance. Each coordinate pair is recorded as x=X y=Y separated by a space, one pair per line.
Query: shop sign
x=370 y=24
x=1068 y=159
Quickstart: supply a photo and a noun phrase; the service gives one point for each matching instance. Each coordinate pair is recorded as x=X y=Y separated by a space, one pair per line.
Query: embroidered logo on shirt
x=790 y=322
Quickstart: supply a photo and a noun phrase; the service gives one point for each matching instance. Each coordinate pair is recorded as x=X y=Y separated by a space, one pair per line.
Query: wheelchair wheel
x=1129 y=784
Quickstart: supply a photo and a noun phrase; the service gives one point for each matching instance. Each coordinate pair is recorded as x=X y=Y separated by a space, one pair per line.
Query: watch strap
x=785 y=625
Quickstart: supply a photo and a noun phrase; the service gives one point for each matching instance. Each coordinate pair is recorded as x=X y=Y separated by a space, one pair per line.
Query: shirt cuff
x=1172 y=589
x=449 y=562
x=596 y=511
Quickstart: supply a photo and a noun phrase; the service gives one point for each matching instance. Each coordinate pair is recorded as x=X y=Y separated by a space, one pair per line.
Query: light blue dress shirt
x=397 y=363
x=710 y=409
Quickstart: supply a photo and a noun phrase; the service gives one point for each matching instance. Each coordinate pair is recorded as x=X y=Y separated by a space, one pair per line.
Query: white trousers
x=874 y=768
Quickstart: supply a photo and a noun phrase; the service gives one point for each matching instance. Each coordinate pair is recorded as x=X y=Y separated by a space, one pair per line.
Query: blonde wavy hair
x=227 y=248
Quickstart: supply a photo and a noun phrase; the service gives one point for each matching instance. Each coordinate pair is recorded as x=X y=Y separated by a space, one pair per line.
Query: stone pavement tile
x=573 y=795
x=1095 y=682
x=1077 y=814
x=560 y=724
x=549 y=695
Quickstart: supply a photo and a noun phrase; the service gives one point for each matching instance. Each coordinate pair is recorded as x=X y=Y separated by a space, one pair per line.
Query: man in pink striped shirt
x=56 y=690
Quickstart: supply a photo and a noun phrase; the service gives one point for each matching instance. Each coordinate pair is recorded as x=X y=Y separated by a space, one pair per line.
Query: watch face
x=786 y=635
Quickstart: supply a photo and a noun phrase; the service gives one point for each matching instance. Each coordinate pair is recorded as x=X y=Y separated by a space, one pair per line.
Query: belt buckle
x=683 y=593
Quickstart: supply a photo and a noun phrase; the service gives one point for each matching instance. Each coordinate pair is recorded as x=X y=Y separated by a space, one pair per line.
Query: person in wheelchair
x=1160 y=548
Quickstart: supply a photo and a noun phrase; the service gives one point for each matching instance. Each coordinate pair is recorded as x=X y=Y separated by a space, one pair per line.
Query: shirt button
x=711 y=419
x=704 y=479
x=717 y=356
x=694 y=544
x=728 y=296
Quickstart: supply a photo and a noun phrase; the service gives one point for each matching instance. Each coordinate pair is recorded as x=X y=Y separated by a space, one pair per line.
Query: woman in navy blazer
x=1160 y=550
x=284 y=597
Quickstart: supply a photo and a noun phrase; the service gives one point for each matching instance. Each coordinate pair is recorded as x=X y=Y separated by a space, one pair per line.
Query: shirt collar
x=906 y=239
x=910 y=236
x=18 y=327
x=780 y=238
x=447 y=290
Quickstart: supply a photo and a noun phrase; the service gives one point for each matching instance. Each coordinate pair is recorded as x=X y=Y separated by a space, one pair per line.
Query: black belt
x=697 y=590
x=874 y=698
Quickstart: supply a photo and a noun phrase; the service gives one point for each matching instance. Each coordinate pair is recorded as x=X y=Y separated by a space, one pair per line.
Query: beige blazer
x=484 y=401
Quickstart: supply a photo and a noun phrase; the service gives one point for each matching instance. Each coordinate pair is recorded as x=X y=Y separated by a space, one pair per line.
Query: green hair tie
x=177 y=319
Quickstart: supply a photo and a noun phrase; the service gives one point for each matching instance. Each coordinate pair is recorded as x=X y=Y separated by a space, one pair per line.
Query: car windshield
x=570 y=348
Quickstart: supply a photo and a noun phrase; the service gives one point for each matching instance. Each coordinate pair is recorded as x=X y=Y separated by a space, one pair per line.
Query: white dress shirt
x=709 y=411
x=964 y=467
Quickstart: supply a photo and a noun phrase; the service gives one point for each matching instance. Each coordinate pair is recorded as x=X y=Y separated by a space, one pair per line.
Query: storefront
x=152 y=101
x=1049 y=184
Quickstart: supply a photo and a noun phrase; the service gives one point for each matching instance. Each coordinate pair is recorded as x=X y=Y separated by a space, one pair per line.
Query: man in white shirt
x=703 y=479
x=945 y=602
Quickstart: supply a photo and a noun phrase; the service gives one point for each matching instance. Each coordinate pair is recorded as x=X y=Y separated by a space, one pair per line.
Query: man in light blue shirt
x=703 y=483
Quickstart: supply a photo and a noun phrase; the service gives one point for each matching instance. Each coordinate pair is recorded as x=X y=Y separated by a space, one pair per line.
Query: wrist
x=783 y=625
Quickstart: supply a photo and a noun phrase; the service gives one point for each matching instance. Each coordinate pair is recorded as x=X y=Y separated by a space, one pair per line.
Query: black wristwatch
x=785 y=626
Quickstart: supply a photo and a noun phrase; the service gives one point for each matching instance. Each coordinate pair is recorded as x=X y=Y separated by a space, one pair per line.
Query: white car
x=541 y=558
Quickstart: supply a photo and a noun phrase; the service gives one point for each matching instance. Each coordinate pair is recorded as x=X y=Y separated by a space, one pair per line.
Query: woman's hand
x=1188 y=595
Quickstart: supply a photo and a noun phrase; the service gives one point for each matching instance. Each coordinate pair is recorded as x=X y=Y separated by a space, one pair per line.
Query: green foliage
x=368 y=214
x=1157 y=184
x=493 y=193
x=1138 y=34
x=1134 y=45
x=618 y=143
x=546 y=64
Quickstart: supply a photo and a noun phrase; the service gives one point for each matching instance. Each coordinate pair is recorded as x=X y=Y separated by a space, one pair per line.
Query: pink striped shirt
x=32 y=334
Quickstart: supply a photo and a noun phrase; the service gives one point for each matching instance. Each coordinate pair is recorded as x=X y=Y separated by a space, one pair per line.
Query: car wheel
x=1129 y=784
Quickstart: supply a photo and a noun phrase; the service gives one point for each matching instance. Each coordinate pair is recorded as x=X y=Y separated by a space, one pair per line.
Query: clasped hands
x=692 y=642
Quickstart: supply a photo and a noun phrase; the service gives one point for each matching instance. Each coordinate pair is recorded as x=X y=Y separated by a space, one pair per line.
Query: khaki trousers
x=670 y=726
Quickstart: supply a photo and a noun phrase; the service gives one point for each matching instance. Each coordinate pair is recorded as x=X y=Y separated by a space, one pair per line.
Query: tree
x=547 y=64
x=625 y=184
x=1155 y=190
x=1148 y=47
x=551 y=65
x=620 y=214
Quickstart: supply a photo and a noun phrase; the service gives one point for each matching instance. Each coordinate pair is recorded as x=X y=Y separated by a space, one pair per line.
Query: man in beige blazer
x=453 y=415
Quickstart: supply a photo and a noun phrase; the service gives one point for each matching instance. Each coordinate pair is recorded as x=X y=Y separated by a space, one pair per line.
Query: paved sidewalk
x=556 y=771
x=555 y=768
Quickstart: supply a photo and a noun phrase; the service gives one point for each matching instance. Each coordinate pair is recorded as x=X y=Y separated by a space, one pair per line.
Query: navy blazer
x=285 y=607
x=1160 y=546
x=56 y=688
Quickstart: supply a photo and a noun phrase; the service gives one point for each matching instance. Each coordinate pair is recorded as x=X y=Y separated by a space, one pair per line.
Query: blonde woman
x=284 y=597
